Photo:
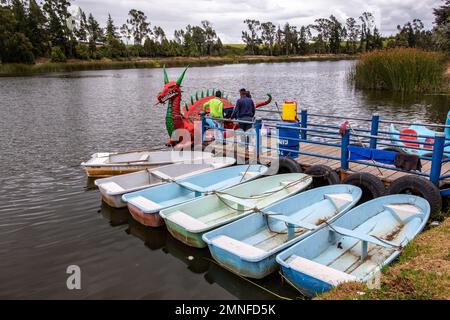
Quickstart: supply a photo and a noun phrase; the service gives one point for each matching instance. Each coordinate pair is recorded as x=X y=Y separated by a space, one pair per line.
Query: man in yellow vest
x=215 y=106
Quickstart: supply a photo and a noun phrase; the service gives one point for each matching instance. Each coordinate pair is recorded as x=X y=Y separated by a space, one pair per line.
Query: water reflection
x=246 y=290
x=199 y=261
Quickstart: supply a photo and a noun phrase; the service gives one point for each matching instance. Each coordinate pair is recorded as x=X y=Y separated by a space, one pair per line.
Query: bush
x=115 y=49
x=17 y=49
x=82 y=52
x=58 y=55
x=400 y=69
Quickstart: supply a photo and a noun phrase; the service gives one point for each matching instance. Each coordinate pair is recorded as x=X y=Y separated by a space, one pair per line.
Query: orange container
x=289 y=111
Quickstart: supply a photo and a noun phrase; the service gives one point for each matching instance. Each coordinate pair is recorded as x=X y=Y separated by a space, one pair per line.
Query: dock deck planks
x=386 y=175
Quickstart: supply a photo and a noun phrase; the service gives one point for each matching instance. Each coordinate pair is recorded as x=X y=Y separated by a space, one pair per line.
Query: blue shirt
x=245 y=108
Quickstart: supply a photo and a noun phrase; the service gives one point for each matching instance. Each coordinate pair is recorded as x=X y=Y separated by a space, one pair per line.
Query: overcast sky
x=227 y=16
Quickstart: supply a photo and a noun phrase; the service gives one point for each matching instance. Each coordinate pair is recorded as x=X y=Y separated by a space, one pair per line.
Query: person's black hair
x=218 y=94
x=242 y=91
x=248 y=94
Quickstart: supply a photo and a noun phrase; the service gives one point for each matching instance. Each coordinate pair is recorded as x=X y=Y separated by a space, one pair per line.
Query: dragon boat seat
x=405 y=134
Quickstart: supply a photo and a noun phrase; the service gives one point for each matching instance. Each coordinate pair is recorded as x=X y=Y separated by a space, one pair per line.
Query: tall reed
x=400 y=69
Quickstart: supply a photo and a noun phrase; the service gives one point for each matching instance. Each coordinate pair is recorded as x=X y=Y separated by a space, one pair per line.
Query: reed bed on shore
x=400 y=69
x=79 y=65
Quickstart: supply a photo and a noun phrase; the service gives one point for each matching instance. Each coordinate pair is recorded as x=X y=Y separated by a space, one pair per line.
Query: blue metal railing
x=309 y=132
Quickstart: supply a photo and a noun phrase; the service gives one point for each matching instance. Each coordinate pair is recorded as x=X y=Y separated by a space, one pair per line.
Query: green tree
x=268 y=34
x=111 y=29
x=138 y=25
x=353 y=32
x=210 y=37
x=251 y=38
x=59 y=33
x=36 y=30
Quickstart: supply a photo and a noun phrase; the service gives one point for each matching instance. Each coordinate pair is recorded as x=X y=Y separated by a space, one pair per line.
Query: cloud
x=227 y=16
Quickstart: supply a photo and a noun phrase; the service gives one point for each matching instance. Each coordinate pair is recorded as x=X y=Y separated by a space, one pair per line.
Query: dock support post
x=438 y=153
x=258 y=126
x=344 y=149
x=374 y=130
x=304 y=123
x=203 y=124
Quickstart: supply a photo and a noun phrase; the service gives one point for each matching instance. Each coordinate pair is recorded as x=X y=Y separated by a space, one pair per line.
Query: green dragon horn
x=166 y=77
x=180 y=79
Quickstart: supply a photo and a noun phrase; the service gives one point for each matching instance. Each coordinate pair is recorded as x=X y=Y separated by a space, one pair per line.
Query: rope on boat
x=290 y=282
x=399 y=247
x=254 y=283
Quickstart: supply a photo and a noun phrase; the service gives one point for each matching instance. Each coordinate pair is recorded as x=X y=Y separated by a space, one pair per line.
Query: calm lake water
x=50 y=220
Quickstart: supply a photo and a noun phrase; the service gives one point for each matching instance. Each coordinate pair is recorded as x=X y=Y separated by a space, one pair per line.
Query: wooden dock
x=386 y=175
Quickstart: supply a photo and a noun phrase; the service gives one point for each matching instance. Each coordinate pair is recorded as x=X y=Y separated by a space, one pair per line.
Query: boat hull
x=242 y=267
x=108 y=171
x=114 y=201
x=153 y=220
x=189 y=238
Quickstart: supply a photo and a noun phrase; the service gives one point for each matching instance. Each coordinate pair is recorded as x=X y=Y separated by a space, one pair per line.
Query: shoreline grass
x=80 y=65
x=403 y=70
x=422 y=272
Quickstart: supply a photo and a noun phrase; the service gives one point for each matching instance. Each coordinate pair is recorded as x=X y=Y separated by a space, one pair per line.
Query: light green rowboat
x=189 y=221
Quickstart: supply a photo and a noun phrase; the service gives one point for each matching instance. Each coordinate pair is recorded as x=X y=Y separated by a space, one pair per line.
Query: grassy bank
x=403 y=70
x=79 y=65
x=421 y=272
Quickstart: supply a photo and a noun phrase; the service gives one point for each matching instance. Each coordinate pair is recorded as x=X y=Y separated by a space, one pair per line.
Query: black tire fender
x=322 y=175
x=372 y=187
x=288 y=165
x=419 y=186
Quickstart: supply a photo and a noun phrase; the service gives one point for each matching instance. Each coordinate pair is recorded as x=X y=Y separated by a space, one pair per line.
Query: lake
x=49 y=219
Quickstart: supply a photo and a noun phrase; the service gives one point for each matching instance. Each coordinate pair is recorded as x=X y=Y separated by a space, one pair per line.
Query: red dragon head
x=171 y=89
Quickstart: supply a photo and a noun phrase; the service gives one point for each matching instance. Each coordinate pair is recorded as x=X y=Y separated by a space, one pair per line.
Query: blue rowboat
x=144 y=205
x=188 y=222
x=355 y=246
x=113 y=188
x=248 y=247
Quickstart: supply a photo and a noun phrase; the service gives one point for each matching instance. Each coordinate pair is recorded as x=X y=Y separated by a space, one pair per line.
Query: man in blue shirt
x=244 y=110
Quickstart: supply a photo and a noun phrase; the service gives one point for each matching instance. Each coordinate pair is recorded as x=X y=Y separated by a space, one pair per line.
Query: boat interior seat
x=404 y=213
x=145 y=204
x=339 y=200
x=362 y=236
x=237 y=247
x=427 y=146
x=160 y=175
x=112 y=187
x=186 y=221
x=289 y=220
x=144 y=157
x=405 y=134
x=319 y=271
x=249 y=174
x=239 y=201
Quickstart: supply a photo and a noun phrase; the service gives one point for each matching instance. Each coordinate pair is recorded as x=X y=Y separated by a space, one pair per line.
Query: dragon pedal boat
x=190 y=221
x=248 y=247
x=356 y=245
x=417 y=135
x=144 y=205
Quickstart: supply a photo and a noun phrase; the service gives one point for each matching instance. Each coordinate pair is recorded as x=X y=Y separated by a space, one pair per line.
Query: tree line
x=355 y=35
x=29 y=30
